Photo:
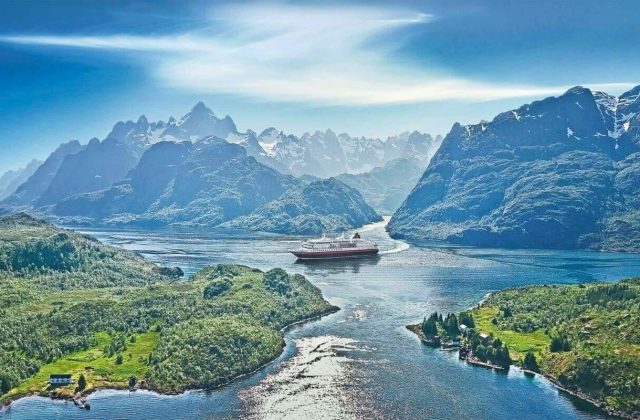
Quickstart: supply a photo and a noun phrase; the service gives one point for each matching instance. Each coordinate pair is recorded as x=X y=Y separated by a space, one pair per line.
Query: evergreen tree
x=530 y=362
x=429 y=326
x=82 y=382
x=466 y=318
x=559 y=343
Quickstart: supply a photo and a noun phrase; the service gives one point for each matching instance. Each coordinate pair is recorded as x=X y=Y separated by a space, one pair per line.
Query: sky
x=71 y=70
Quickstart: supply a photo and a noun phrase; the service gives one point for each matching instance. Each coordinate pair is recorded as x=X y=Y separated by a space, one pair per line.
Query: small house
x=463 y=328
x=484 y=337
x=60 y=379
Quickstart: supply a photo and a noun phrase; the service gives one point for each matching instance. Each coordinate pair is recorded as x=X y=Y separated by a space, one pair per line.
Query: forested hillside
x=584 y=337
x=69 y=304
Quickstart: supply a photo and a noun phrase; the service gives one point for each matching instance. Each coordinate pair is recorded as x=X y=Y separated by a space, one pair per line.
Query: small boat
x=332 y=248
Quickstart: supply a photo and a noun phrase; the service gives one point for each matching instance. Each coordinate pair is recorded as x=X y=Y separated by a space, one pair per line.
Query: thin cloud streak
x=317 y=55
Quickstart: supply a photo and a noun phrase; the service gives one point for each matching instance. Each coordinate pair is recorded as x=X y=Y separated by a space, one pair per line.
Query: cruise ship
x=340 y=247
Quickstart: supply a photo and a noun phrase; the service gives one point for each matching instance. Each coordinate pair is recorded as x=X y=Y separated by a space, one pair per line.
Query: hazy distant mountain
x=386 y=187
x=325 y=154
x=96 y=167
x=207 y=182
x=182 y=171
x=198 y=123
x=37 y=183
x=75 y=169
x=11 y=180
x=563 y=172
x=210 y=182
x=250 y=141
x=327 y=205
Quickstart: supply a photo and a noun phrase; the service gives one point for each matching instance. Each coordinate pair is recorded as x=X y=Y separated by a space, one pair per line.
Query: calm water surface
x=360 y=362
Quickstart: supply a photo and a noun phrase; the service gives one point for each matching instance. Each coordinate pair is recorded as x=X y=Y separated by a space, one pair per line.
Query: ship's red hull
x=332 y=254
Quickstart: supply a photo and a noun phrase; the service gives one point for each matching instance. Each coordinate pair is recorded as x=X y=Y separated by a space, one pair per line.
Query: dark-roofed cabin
x=60 y=379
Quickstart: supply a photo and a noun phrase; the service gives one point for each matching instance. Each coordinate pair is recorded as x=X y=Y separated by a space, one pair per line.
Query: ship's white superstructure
x=340 y=247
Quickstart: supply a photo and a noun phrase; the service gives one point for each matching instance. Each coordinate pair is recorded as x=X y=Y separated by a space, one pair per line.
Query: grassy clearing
x=519 y=343
x=99 y=370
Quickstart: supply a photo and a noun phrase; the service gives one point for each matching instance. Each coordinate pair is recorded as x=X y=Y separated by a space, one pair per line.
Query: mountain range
x=324 y=154
x=201 y=170
x=203 y=183
x=563 y=172
x=321 y=154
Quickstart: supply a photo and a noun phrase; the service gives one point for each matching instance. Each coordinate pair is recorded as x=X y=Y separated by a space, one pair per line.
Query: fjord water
x=361 y=361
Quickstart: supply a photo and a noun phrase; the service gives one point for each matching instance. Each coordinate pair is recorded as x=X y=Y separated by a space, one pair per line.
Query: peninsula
x=583 y=338
x=77 y=315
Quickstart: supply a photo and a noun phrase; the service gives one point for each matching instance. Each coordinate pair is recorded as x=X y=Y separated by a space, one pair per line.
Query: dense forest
x=69 y=304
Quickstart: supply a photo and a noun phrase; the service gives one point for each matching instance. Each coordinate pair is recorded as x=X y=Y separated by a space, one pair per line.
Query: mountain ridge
x=76 y=169
x=555 y=173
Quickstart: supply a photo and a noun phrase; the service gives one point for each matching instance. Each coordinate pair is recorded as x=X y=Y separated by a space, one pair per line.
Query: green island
x=70 y=305
x=584 y=338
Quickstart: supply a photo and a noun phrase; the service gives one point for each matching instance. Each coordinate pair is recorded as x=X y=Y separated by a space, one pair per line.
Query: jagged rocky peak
x=200 y=108
x=269 y=133
x=201 y=122
x=269 y=137
x=135 y=133
x=93 y=142
x=12 y=179
x=37 y=183
x=199 y=113
x=573 y=116
x=631 y=97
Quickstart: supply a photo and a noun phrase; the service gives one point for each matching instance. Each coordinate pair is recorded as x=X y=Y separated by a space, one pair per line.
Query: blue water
x=360 y=362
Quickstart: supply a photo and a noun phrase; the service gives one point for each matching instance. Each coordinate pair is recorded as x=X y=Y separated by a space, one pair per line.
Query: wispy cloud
x=319 y=54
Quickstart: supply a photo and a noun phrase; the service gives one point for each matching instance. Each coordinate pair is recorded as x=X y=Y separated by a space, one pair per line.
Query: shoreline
x=5 y=405
x=600 y=405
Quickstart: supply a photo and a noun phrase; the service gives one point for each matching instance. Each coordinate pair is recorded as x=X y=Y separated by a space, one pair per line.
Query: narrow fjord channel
x=360 y=362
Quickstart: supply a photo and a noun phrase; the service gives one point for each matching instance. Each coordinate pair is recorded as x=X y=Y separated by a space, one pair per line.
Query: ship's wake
x=399 y=247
